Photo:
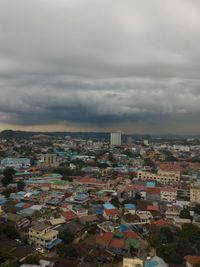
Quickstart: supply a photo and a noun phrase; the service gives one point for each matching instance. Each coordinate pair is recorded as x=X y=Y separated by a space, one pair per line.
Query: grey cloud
x=100 y=62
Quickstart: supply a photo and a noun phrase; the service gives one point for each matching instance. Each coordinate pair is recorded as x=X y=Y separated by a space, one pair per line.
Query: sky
x=100 y=65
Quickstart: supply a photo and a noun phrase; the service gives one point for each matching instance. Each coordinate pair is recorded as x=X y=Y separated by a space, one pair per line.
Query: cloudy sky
x=100 y=65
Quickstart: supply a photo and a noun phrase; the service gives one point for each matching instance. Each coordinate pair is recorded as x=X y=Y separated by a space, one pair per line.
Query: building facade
x=161 y=176
x=41 y=235
x=115 y=138
x=195 y=193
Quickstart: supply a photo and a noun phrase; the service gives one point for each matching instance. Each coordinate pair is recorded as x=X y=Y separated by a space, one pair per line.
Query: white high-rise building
x=115 y=138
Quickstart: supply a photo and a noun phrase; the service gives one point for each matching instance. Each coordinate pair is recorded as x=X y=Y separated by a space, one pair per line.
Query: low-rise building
x=195 y=193
x=42 y=236
x=160 y=176
x=168 y=194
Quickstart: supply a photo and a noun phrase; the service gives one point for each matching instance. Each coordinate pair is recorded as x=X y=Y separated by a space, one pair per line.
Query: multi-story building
x=16 y=163
x=42 y=236
x=160 y=176
x=115 y=138
x=168 y=194
x=172 y=211
x=195 y=193
x=49 y=160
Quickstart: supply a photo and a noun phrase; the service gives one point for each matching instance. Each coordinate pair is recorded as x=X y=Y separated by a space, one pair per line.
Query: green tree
x=8 y=176
x=137 y=196
x=10 y=232
x=60 y=249
x=4 y=255
x=32 y=259
x=66 y=251
x=115 y=201
x=20 y=185
x=92 y=229
x=197 y=209
x=7 y=192
x=67 y=236
x=167 y=232
x=185 y=214
x=158 y=240
x=71 y=252
x=190 y=232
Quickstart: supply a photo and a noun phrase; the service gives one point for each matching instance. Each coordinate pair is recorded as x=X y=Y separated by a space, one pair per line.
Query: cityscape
x=99 y=133
x=120 y=201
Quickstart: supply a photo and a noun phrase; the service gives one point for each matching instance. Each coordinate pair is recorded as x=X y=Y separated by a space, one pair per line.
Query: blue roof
x=129 y=206
x=108 y=206
x=2 y=201
x=150 y=263
x=21 y=193
x=15 y=196
x=124 y=228
x=81 y=196
x=27 y=211
x=20 y=205
x=99 y=212
x=151 y=184
x=54 y=243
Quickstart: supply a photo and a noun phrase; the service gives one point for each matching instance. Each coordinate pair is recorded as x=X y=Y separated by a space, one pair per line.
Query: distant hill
x=10 y=134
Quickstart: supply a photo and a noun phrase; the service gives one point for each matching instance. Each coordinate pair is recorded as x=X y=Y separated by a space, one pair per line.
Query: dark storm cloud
x=100 y=62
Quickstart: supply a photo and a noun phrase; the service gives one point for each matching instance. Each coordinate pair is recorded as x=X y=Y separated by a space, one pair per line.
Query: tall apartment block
x=115 y=138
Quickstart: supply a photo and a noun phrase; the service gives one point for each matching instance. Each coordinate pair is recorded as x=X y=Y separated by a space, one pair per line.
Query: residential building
x=132 y=262
x=195 y=193
x=49 y=160
x=42 y=236
x=160 y=176
x=192 y=260
x=16 y=162
x=115 y=138
x=168 y=194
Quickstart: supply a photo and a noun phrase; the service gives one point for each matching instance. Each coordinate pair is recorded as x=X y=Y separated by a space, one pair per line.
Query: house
x=153 y=193
x=42 y=236
x=132 y=262
x=69 y=215
x=129 y=208
x=89 y=219
x=172 y=211
x=17 y=220
x=192 y=260
x=111 y=214
x=155 y=262
x=168 y=194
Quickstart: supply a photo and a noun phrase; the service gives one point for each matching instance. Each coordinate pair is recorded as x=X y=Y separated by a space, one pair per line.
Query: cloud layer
x=103 y=64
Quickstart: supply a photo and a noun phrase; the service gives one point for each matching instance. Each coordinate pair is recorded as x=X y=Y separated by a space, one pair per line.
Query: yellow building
x=195 y=193
x=160 y=176
x=132 y=262
x=49 y=160
x=42 y=236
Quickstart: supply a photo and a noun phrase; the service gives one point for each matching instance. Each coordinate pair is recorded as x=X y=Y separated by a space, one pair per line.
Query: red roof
x=86 y=180
x=65 y=206
x=131 y=234
x=111 y=212
x=161 y=223
x=28 y=205
x=107 y=236
x=69 y=215
x=153 y=190
x=152 y=208
x=137 y=187
x=192 y=259
x=117 y=243
x=168 y=189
